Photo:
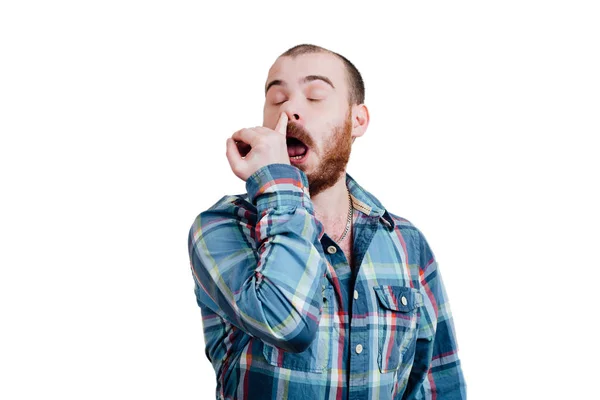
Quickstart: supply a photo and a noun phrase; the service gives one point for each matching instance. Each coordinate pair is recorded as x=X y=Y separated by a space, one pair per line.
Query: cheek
x=328 y=129
x=268 y=116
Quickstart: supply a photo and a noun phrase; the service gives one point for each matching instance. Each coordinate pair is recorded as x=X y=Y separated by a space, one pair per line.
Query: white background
x=113 y=120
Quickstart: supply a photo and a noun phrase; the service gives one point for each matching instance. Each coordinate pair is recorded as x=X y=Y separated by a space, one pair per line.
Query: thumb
x=282 y=124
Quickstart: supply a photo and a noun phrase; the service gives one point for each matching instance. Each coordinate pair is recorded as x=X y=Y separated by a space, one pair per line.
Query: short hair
x=356 y=94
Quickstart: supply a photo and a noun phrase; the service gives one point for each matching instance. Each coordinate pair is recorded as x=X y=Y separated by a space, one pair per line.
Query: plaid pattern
x=285 y=317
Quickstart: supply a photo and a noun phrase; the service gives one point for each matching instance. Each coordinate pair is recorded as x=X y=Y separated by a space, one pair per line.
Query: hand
x=267 y=146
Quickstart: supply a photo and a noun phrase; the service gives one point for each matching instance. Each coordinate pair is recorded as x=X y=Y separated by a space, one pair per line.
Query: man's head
x=323 y=94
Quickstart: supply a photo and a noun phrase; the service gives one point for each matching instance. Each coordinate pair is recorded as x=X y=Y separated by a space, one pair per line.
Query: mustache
x=296 y=131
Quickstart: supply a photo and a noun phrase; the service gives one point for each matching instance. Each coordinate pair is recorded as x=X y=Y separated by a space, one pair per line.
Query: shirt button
x=359 y=348
x=404 y=301
x=331 y=249
x=355 y=295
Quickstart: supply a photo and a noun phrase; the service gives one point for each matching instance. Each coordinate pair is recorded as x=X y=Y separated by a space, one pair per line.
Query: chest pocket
x=397 y=318
x=317 y=357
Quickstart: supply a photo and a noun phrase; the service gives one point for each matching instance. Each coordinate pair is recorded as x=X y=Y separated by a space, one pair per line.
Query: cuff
x=277 y=185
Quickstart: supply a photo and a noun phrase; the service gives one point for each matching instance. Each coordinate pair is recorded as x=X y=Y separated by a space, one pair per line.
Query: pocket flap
x=399 y=298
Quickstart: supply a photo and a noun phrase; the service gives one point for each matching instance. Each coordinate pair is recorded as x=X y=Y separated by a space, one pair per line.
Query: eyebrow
x=306 y=79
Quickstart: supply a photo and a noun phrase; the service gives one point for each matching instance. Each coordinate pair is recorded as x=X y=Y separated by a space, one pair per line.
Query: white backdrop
x=113 y=120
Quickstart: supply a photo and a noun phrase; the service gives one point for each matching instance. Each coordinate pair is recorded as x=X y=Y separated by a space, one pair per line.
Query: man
x=308 y=287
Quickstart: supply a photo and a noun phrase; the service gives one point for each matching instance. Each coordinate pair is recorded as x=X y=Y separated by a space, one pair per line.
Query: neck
x=331 y=205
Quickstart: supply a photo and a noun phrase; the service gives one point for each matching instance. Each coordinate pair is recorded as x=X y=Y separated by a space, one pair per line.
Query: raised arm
x=263 y=272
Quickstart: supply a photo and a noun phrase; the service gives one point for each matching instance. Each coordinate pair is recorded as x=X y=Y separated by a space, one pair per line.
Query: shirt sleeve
x=436 y=372
x=263 y=270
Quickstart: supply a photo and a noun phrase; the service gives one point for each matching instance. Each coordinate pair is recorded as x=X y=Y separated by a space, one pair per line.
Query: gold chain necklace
x=349 y=222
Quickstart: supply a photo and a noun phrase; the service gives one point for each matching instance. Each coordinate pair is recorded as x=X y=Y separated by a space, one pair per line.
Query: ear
x=360 y=120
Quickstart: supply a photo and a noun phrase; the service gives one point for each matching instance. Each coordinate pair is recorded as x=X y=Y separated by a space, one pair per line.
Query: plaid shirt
x=285 y=317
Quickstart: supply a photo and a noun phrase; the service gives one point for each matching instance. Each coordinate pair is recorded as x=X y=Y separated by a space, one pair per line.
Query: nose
x=294 y=117
x=292 y=112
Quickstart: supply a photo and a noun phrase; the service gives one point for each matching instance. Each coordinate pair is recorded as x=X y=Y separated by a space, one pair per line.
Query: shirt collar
x=368 y=204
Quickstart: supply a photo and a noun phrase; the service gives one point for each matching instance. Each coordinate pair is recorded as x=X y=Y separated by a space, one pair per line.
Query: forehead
x=293 y=69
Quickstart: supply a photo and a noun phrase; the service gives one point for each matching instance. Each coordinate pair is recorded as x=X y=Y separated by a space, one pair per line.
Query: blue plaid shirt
x=285 y=317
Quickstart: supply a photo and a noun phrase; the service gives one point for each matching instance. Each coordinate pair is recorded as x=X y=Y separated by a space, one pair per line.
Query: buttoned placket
x=360 y=350
x=358 y=335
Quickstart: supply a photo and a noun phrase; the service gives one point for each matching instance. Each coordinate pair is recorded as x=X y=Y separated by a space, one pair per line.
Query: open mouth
x=297 y=151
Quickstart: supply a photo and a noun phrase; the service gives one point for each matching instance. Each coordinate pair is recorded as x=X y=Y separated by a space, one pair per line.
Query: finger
x=232 y=153
x=247 y=136
x=282 y=124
